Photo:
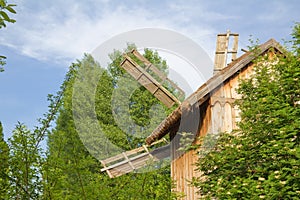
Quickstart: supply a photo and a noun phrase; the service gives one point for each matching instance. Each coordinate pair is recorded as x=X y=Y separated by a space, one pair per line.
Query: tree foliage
x=71 y=171
x=4 y=166
x=262 y=159
x=5 y=10
x=24 y=165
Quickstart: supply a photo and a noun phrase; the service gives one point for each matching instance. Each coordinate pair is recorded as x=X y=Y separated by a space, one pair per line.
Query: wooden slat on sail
x=134 y=159
x=149 y=82
x=163 y=78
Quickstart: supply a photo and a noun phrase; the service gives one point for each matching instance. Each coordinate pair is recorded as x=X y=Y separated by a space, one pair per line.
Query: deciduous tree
x=4 y=166
x=24 y=165
x=262 y=160
x=5 y=10
x=72 y=171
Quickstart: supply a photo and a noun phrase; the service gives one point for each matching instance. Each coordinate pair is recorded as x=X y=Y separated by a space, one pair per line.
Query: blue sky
x=49 y=35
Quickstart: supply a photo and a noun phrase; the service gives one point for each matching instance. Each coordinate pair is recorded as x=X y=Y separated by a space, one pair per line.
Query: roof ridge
x=201 y=94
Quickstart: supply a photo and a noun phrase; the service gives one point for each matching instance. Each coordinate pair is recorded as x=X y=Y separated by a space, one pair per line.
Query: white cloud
x=187 y=11
x=64 y=31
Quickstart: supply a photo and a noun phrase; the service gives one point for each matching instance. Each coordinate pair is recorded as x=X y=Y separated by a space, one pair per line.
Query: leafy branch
x=4 y=18
x=5 y=10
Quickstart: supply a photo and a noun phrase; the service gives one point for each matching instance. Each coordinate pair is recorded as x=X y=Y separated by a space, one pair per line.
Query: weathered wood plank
x=235 y=46
x=131 y=69
x=121 y=157
x=131 y=164
x=156 y=71
x=222 y=50
x=134 y=159
x=123 y=162
x=107 y=171
x=145 y=79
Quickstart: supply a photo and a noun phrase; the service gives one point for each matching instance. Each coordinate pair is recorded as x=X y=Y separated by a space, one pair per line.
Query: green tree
x=132 y=101
x=146 y=112
x=71 y=171
x=262 y=160
x=4 y=18
x=24 y=165
x=4 y=167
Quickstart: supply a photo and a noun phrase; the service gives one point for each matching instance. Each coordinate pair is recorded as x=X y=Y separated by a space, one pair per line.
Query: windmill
x=149 y=76
x=142 y=73
x=215 y=101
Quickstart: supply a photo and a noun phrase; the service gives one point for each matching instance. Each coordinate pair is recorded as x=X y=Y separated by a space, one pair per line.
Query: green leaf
x=2 y=24
x=2 y=3
x=5 y=16
x=10 y=9
x=11 y=5
x=266 y=162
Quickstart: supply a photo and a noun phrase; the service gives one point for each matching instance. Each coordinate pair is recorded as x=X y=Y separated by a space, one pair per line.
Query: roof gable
x=202 y=93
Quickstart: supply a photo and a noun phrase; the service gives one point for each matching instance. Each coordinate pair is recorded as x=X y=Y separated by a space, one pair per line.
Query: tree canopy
x=72 y=170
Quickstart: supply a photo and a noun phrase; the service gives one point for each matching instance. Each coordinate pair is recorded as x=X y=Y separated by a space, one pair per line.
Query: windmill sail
x=134 y=159
x=153 y=85
x=137 y=158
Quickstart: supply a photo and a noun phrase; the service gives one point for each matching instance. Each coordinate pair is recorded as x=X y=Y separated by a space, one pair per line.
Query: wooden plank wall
x=225 y=114
x=217 y=114
x=183 y=167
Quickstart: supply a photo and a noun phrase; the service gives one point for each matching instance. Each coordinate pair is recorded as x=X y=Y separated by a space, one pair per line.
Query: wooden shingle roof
x=203 y=92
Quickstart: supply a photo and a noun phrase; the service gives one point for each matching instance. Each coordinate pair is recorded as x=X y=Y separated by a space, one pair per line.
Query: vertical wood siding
x=217 y=114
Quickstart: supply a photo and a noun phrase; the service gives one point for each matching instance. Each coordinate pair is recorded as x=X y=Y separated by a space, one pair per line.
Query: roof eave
x=202 y=93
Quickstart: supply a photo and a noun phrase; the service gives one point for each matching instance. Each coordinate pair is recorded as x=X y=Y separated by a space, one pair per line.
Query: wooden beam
x=222 y=50
x=107 y=171
x=156 y=71
x=145 y=79
x=128 y=161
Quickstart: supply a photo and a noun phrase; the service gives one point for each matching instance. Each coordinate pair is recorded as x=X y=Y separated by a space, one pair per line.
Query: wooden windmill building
x=209 y=110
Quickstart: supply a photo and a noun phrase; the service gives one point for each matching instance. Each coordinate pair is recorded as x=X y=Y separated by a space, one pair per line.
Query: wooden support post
x=128 y=160
x=107 y=170
x=146 y=149
x=235 y=46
